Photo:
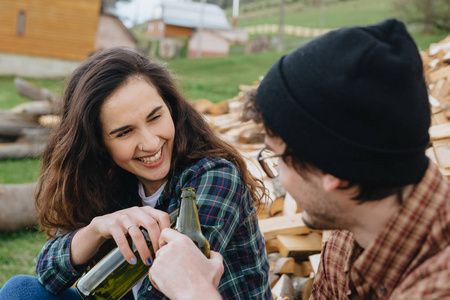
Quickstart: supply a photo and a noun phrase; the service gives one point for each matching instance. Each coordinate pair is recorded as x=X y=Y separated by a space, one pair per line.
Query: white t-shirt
x=146 y=201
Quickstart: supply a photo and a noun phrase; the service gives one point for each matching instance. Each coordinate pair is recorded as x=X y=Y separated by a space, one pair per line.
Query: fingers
x=128 y=221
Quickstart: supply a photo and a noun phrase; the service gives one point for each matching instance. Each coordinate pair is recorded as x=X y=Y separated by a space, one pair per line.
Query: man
x=348 y=116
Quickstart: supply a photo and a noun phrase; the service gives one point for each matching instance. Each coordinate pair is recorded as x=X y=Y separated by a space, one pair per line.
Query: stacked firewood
x=23 y=130
x=293 y=249
x=436 y=61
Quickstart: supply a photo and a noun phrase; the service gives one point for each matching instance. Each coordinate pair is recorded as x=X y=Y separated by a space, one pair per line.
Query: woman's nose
x=148 y=142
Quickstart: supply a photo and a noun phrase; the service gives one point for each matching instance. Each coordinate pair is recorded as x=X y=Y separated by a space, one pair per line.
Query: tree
x=433 y=14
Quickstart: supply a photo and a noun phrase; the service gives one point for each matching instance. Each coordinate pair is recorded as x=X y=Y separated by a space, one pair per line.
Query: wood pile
x=293 y=249
x=436 y=62
x=25 y=128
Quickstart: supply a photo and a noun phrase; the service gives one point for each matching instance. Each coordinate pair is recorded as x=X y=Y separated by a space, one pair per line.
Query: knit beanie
x=353 y=103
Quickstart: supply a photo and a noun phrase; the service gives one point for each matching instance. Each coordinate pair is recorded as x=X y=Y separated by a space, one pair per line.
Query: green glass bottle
x=113 y=276
x=188 y=222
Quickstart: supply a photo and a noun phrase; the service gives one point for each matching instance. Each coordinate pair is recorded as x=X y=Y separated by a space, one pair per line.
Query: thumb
x=216 y=256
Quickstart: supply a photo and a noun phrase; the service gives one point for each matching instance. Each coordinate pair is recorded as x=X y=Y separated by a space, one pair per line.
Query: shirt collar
x=384 y=262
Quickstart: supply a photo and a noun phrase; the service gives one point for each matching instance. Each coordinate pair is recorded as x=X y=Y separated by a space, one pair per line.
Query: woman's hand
x=116 y=225
x=181 y=271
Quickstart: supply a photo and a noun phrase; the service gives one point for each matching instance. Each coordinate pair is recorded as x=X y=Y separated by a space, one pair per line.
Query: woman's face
x=138 y=132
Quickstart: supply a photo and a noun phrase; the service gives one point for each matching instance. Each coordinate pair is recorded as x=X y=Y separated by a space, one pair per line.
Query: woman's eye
x=123 y=133
x=154 y=118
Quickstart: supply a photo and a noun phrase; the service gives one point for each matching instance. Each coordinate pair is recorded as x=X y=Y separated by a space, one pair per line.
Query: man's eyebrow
x=128 y=126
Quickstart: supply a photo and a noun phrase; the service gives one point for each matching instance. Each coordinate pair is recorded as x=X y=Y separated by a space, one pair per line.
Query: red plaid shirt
x=410 y=259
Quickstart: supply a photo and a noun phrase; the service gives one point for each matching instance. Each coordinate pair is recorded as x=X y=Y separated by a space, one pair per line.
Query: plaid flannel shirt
x=410 y=259
x=225 y=213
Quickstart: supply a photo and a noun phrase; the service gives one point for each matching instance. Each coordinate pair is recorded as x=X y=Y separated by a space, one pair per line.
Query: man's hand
x=181 y=271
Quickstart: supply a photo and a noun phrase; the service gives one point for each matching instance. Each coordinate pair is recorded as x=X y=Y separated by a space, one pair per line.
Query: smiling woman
x=128 y=142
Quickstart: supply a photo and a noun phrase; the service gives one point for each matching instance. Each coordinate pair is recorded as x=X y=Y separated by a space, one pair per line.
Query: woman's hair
x=79 y=180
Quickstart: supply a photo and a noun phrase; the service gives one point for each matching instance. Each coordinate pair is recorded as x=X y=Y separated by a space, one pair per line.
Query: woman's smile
x=152 y=160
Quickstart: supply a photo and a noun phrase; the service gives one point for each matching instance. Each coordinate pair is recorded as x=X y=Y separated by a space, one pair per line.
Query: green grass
x=218 y=78
x=336 y=14
x=18 y=253
x=19 y=171
x=9 y=96
x=332 y=15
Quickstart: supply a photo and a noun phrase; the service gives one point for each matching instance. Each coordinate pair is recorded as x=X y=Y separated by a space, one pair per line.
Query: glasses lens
x=269 y=163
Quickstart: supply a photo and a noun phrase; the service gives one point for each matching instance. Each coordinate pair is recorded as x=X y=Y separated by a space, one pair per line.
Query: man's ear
x=330 y=183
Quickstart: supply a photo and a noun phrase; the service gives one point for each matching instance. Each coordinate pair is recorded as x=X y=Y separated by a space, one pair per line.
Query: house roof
x=194 y=15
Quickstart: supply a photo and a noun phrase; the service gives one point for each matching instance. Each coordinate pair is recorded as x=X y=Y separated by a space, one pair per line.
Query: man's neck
x=372 y=216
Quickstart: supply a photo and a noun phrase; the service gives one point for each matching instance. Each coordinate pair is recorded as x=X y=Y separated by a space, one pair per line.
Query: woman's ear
x=330 y=183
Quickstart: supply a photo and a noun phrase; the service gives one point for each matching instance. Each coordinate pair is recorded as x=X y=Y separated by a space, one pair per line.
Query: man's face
x=321 y=210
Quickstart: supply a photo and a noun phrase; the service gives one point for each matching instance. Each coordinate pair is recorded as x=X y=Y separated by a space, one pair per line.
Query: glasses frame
x=264 y=166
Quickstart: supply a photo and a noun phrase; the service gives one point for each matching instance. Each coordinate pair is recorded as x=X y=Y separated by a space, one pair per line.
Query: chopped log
x=17 y=203
x=283 y=288
x=281 y=265
x=14 y=128
x=31 y=111
x=438 y=132
x=38 y=135
x=435 y=92
x=219 y=108
x=49 y=120
x=315 y=261
x=299 y=246
x=438 y=116
x=283 y=225
x=439 y=74
x=276 y=207
x=302 y=287
x=202 y=105
x=21 y=150
x=303 y=269
x=273 y=279
x=33 y=92
x=272 y=246
x=442 y=153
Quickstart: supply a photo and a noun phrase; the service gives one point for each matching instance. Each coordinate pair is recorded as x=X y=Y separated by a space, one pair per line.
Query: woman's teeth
x=151 y=159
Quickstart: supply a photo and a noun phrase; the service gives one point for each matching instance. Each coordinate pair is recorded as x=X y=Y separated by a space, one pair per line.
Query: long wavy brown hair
x=78 y=179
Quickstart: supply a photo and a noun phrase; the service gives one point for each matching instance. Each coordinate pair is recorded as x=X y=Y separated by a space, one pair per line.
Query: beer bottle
x=188 y=222
x=113 y=276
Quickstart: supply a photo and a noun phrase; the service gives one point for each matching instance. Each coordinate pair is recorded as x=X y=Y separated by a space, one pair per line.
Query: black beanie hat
x=353 y=103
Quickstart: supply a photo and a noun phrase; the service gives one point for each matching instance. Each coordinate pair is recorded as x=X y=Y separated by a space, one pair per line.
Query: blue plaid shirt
x=226 y=217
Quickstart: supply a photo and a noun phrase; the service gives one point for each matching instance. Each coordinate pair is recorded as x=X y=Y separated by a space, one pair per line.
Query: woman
x=127 y=143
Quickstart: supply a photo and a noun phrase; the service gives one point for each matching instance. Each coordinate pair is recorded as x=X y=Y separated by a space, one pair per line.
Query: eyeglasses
x=269 y=162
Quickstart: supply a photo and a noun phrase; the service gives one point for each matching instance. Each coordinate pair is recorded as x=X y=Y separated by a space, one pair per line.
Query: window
x=21 y=23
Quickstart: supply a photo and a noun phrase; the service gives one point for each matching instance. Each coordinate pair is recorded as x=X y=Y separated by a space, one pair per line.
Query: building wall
x=210 y=44
x=112 y=33
x=157 y=29
x=51 y=28
x=35 y=66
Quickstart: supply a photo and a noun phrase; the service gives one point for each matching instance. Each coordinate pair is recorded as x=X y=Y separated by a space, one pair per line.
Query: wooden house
x=204 y=25
x=49 y=28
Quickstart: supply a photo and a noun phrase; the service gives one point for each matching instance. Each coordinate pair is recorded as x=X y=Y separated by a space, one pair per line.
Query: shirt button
x=149 y=288
x=383 y=290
